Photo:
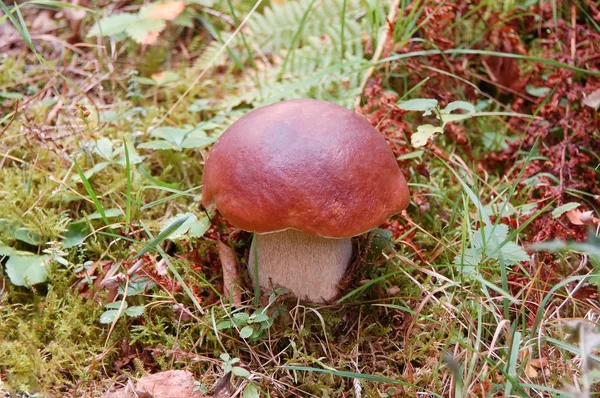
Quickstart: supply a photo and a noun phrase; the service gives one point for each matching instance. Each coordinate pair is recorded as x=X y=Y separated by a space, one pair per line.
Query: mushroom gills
x=311 y=267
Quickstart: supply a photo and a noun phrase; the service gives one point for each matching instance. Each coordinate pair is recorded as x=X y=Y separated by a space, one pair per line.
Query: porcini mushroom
x=305 y=176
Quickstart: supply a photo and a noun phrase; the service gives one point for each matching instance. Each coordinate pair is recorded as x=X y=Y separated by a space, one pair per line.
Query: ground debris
x=168 y=384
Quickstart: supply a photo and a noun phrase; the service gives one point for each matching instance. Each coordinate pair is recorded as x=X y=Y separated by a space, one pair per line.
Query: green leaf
x=137 y=286
x=135 y=311
x=251 y=391
x=108 y=316
x=513 y=253
x=411 y=155
x=191 y=228
x=172 y=134
x=424 y=133
x=134 y=157
x=158 y=145
x=465 y=106
x=225 y=357
x=28 y=236
x=10 y=95
x=487 y=242
x=161 y=237
x=75 y=234
x=227 y=324
x=246 y=332
x=140 y=29
x=104 y=148
x=560 y=210
x=98 y=167
x=537 y=91
x=454 y=117
x=6 y=250
x=198 y=142
x=259 y=317
x=240 y=316
x=108 y=213
x=112 y=25
x=27 y=270
x=115 y=305
x=240 y=372
x=165 y=78
x=420 y=104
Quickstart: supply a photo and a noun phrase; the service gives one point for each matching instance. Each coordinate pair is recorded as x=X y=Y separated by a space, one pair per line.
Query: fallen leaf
x=230 y=274
x=165 y=77
x=582 y=217
x=150 y=38
x=530 y=371
x=592 y=100
x=167 y=11
x=169 y=384
x=538 y=362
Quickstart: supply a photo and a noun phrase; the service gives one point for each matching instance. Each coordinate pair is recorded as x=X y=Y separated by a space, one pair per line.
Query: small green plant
x=428 y=106
x=104 y=148
x=490 y=242
x=114 y=311
x=192 y=227
x=145 y=26
x=251 y=327
x=445 y=115
x=177 y=139
x=229 y=366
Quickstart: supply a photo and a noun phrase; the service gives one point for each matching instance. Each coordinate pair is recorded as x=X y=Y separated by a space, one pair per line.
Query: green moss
x=51 y=341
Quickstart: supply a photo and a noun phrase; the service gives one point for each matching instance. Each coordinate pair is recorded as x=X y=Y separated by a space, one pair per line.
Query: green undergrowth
x=445 y=301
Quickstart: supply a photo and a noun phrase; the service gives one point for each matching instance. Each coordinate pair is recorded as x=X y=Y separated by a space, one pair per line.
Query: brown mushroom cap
x=304 y=164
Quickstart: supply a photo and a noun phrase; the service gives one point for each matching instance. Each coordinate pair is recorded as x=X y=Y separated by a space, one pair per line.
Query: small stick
x=230 y=274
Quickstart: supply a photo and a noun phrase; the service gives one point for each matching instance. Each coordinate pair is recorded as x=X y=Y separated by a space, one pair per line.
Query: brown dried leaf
x=150 y=38
x=230 y=273
x=168 y=10
x=578 y=217
x=539 y=362
x=169 y=384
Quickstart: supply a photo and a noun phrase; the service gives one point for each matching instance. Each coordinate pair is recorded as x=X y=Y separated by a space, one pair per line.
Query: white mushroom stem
x=309 y=266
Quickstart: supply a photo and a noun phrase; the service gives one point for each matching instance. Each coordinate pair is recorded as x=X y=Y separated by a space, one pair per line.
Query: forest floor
x=487 y=285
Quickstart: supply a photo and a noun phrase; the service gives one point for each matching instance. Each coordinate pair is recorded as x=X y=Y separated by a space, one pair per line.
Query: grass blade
x=161 y=237
x=128 y=197
x=91 y=193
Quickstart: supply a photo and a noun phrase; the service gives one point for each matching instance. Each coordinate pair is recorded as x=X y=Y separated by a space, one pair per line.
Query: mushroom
x=305 y=176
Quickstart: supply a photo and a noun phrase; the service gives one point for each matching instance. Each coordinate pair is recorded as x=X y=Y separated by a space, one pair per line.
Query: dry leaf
x=394 y=290
x=230 y=274
x=167 y=11
x=578 y=217
x=530 y=371
x=150 y=38
x=593 y=99
x=169 y=384
x=539 y=362
x=161 y=267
